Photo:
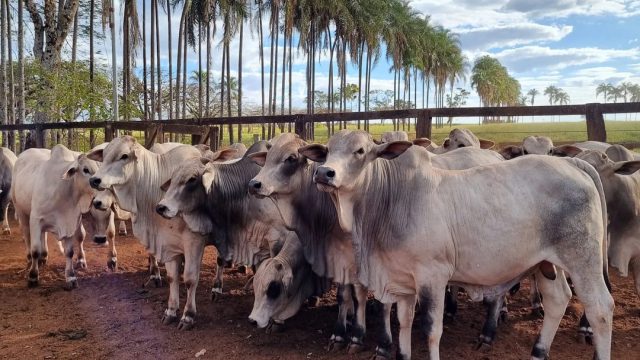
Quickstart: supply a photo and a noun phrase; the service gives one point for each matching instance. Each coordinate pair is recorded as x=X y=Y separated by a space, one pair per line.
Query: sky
x=572 y=44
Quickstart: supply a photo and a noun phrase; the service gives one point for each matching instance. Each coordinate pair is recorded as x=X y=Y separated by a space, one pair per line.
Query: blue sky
x=573 y=44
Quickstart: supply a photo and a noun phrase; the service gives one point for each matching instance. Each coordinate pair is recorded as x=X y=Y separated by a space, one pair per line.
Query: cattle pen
x=83 y=135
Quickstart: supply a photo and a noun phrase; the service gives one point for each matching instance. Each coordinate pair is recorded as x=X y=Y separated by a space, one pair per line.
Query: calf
x=415 y=228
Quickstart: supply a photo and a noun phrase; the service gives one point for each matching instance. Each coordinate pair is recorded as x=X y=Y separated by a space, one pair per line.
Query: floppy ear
x=207 y=180
x=566 y=150
x=205 y=160
x=446 y=143
x=392 y=150
x=96 y=155
x=166 y=185
x=314 y=152
x=511 y=152
x=70 y=170
x=626 y=167
x=486 y=144
x=424 y=142
x=259 y=158
x=224 y=154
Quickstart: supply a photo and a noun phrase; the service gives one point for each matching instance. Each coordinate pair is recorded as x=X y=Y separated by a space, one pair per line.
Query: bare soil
x=111 y=316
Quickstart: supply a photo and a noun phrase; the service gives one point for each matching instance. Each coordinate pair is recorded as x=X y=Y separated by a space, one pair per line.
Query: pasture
x=111 y=316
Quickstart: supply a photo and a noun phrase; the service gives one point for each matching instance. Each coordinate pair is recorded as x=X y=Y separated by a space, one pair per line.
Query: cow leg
x=344 y=296
x=79 y=239
x=173 y=278
x=6 y=229
x=598 y=306
x=359 y=327
x=451 y=302
x=23 y=220
x=69 y=272
x=112 y=261
x=635 y=268
x=383 y=350
x=191 y=276
x=38 y=251
x=154 y=271
x=406 y=311
x=493 y=307
x=555 y=296
x=216 y=291
x=537 y=310
x=122 y=228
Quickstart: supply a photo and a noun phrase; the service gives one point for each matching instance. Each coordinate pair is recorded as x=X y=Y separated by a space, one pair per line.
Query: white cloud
x=484 y=38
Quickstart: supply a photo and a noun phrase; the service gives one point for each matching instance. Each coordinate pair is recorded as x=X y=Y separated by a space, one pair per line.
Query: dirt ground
x=110 y=316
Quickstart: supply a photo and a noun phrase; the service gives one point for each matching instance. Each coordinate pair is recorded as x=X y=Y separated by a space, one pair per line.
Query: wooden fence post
x=108 y=132
x=596 y=130
x=150 y=135
x=300 y=127
x=214 y=138
x=423 y=125
x=39 y=135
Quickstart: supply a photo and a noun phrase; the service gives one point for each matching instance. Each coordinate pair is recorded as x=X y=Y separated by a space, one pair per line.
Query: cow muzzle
x=100 y=240
x=95 y=183
x=256 y=189
x=325 y=178
x=164 y=211
x=99 y=205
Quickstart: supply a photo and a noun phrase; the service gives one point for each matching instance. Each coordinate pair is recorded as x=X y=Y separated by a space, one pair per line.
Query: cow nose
x=100 y=239
x=253 y=322
x=325 y=173
x=97 y=204
x=95 y=182
x=255 y=184
x=161 y=209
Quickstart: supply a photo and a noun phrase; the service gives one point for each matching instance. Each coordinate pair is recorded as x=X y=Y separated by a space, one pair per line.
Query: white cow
x=7 y=161
x=50 y=191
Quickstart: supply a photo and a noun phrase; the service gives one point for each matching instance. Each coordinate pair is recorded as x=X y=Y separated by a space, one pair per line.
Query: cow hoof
x=355 y=347
x=504 y=317
x=274 y=327
x=81 y=264
x=6 y=231
x=112 y=264
x=483 y=343
x=168 y=318
x=186 y=323
x=313 y=301
x=585 y=336
x=336 y=343
x=216 y=294
x=381 y=354
x=157 y=281
x=537 y=313
x=42 y=262
x=33 y=282
x=71 y=284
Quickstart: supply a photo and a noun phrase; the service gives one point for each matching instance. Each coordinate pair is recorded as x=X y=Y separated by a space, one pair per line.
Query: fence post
x=39 y=134
x=300 y=127
x=150 y=135
x=596 y=130
x=423 y=124
x=199 y=138
x=214 y=138
x=108 y=132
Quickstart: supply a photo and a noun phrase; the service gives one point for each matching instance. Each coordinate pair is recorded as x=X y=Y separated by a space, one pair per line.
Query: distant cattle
x=538 y=145
x=462 y=138
x=7 y=161
x=416 y=228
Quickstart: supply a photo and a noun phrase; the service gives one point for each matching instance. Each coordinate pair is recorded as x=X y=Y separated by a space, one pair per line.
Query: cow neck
x=289 y=254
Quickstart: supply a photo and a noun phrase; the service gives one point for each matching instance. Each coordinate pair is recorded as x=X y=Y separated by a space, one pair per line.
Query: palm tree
x=533 y=93
x=552 y=92
x=604 y=89
x=562 y=97
x=21 y=102
x=3 y=60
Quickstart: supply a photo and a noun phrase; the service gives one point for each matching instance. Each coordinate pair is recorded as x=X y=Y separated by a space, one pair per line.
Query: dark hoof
x=112 y=265
x=6 y=232
x=216 y=294
x=186 y=324
x=585 y=338
x=157 y=282
x=483 y=343
x=381 y=354
x=274 y=328
x=168 y=319
x=537 y=313
x=70 y=285
x=355 y=348
x=504 y=317
x=242 y=269
x=336 y=343
x=81 y=265
x=33 y=282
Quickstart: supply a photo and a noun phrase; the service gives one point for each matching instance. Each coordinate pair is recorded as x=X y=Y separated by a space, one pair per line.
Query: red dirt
x=115 y=318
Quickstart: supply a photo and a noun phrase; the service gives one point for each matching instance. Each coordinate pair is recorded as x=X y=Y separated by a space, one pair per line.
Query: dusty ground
x=110 y=316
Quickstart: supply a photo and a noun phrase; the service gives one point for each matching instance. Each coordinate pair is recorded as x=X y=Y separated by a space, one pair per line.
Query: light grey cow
x=538 y=145
x=415 y=228
x=462 y=138
x=7 y=161
x=50 y=191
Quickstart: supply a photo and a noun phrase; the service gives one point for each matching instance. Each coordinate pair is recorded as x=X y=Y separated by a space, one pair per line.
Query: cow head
x=345 y=157
x=606 y=167
x=100 y=225
x=282 y=167
x=80 y=171
x=186 y=190
x=271 y=286
x=118 y=162
x=465 y=138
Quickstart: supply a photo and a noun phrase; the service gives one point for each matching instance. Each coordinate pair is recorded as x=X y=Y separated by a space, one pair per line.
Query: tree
x=533 y=93
x=552 y=92
x=604 y=89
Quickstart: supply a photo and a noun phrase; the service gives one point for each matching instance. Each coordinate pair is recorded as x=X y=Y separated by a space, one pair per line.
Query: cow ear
x=207 y=180
x=424 y=142
x=392 y=150
x=511 y=152
x=377 y=142
x=626 y=167
x=165 y=186
x=314 y=152
x=566 y=150
x=96 y=155
x=70 y=171
x=486 y=144
x=446 y=143
x=259 y=158
x=205 y=160
x=224 y=154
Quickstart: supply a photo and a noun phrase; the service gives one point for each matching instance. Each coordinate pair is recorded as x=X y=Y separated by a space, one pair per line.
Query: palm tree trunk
x=199 y=69
x=3 y=63
x=92 y=6
x=169 y=51
x=153 y=59
x=21 y=103
x=222 y=83
x=11 y=96
x=290 y=70
x=271 y=61
x=184 y=64
x=261 y=40
x=228 y=60
x=181 y=39
x=275 y=72
x=159 y=100
x=208 y=83
x=125 y=58
x=360 y=55
x=144 y=59
x=240 y=78
x=284 y=68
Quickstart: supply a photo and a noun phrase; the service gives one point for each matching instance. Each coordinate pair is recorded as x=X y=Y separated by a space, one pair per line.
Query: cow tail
x=591 y=171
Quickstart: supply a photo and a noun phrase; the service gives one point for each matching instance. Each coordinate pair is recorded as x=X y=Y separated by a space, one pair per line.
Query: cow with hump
x=135 y=176
x=212 y=199
x=50 y=191
x=415 y=228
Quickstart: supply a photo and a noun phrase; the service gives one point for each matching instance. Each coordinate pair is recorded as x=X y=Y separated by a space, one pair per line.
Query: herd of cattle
x=409 y=222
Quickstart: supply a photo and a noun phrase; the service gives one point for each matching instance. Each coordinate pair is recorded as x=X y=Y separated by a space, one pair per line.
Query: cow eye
x=85 y=170
x=525 y=152
x=124 y=157
x=461 y=145
x=274 y=289
x=550 y=151
x=291 y=159
x=360 y=151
